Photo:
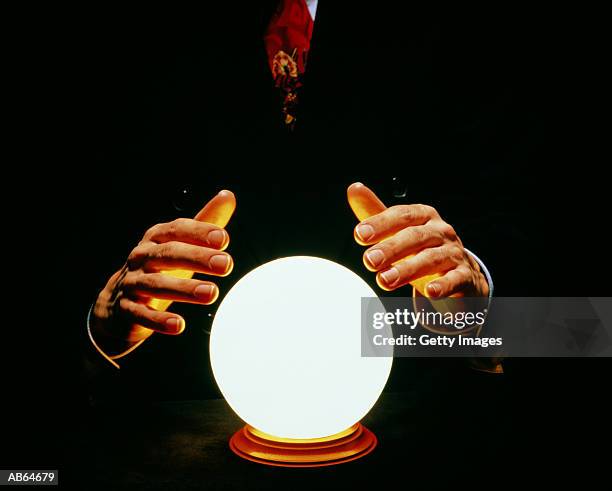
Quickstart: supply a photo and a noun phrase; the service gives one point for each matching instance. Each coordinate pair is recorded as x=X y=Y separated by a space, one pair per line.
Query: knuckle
x=158 y=251
x=405 y=268
x=137 y=256
x=202 y=255
x=163 y=251
x=448 y=231
x=182 y=221
x=456 y=255
x=406 y=214
x=419 y=235
x=446 y=287
x=390 y=247
x=466 y=273
x=151 y=281
x=459 y=278
x=452 y=277
x=127 y=307
x=439 y=259
x=436 y=257
x=445 y=282
x=171 y=228
x=129 y=280
x=428 y=211
x=153 y=231
x=176 y=225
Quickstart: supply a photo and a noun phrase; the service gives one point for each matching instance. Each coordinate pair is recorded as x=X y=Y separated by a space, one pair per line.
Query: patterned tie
x=287 y=41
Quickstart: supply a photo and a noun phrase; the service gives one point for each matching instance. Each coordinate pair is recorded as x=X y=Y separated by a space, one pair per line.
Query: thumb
x=363 y=201
x=218 y=210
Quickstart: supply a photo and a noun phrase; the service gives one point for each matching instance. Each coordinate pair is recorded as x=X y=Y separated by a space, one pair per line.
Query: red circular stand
x=256 y=446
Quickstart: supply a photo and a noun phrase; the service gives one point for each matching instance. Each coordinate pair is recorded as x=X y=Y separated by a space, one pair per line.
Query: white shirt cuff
x=485 y=271
x=93 y=342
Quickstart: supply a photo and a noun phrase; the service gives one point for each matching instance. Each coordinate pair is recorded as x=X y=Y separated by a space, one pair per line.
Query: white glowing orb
x=285 y=349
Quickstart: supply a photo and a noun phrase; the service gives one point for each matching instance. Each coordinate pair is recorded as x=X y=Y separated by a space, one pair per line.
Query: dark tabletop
x=184 y=445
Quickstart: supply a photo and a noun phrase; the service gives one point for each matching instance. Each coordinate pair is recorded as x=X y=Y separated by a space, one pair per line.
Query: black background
x=119 y=110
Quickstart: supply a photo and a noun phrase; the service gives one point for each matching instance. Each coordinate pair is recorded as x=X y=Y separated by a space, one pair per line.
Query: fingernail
x=433 y=289
x=204 y=291
x=219 y=263
x=375 y=257
x=216 y=238
x=365 y=232
x=390 y=276
x=174 y=324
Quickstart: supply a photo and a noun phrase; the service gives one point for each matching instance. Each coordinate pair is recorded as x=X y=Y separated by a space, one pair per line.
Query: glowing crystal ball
x=285 y=349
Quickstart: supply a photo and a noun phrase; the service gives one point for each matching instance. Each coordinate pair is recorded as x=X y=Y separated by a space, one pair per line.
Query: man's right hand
x=158 y=271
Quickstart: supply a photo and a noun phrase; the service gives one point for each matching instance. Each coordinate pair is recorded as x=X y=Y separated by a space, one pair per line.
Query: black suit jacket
x=489 y=116
x=476 y=115
x=420 y=109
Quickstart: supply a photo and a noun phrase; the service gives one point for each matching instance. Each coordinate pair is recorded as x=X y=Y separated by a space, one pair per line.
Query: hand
x=411 y=244
x=158 y=272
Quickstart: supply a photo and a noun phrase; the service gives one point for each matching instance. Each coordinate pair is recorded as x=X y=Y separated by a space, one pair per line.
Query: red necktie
x=287 y=42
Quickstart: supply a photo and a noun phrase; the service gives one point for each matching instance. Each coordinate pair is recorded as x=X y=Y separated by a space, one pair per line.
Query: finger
x=366 y=204
x=191 y=232
x=452 y=282
x=162 y=322
x=156 y=285
x=171 y=256
x=404 y=243
x=429 y=261
x=363 y=201
x=391 y=221
x=218 y=210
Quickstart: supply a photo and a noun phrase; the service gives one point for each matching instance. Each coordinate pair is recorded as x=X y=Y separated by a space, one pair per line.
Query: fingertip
x=226 y=193
x=363 y=201
x=230 y=266
x=207 y=293
x=382 y=285
x=204 y=292
x=352 y=190
x=364 y=233
x=390 y=277
x=219 y=209
x=225 y=244
x=214 y=295
x=357 y=239
x=217 y=238
x=434 y=290
x=373 y=259
x=221 y=264
x=175 y=325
